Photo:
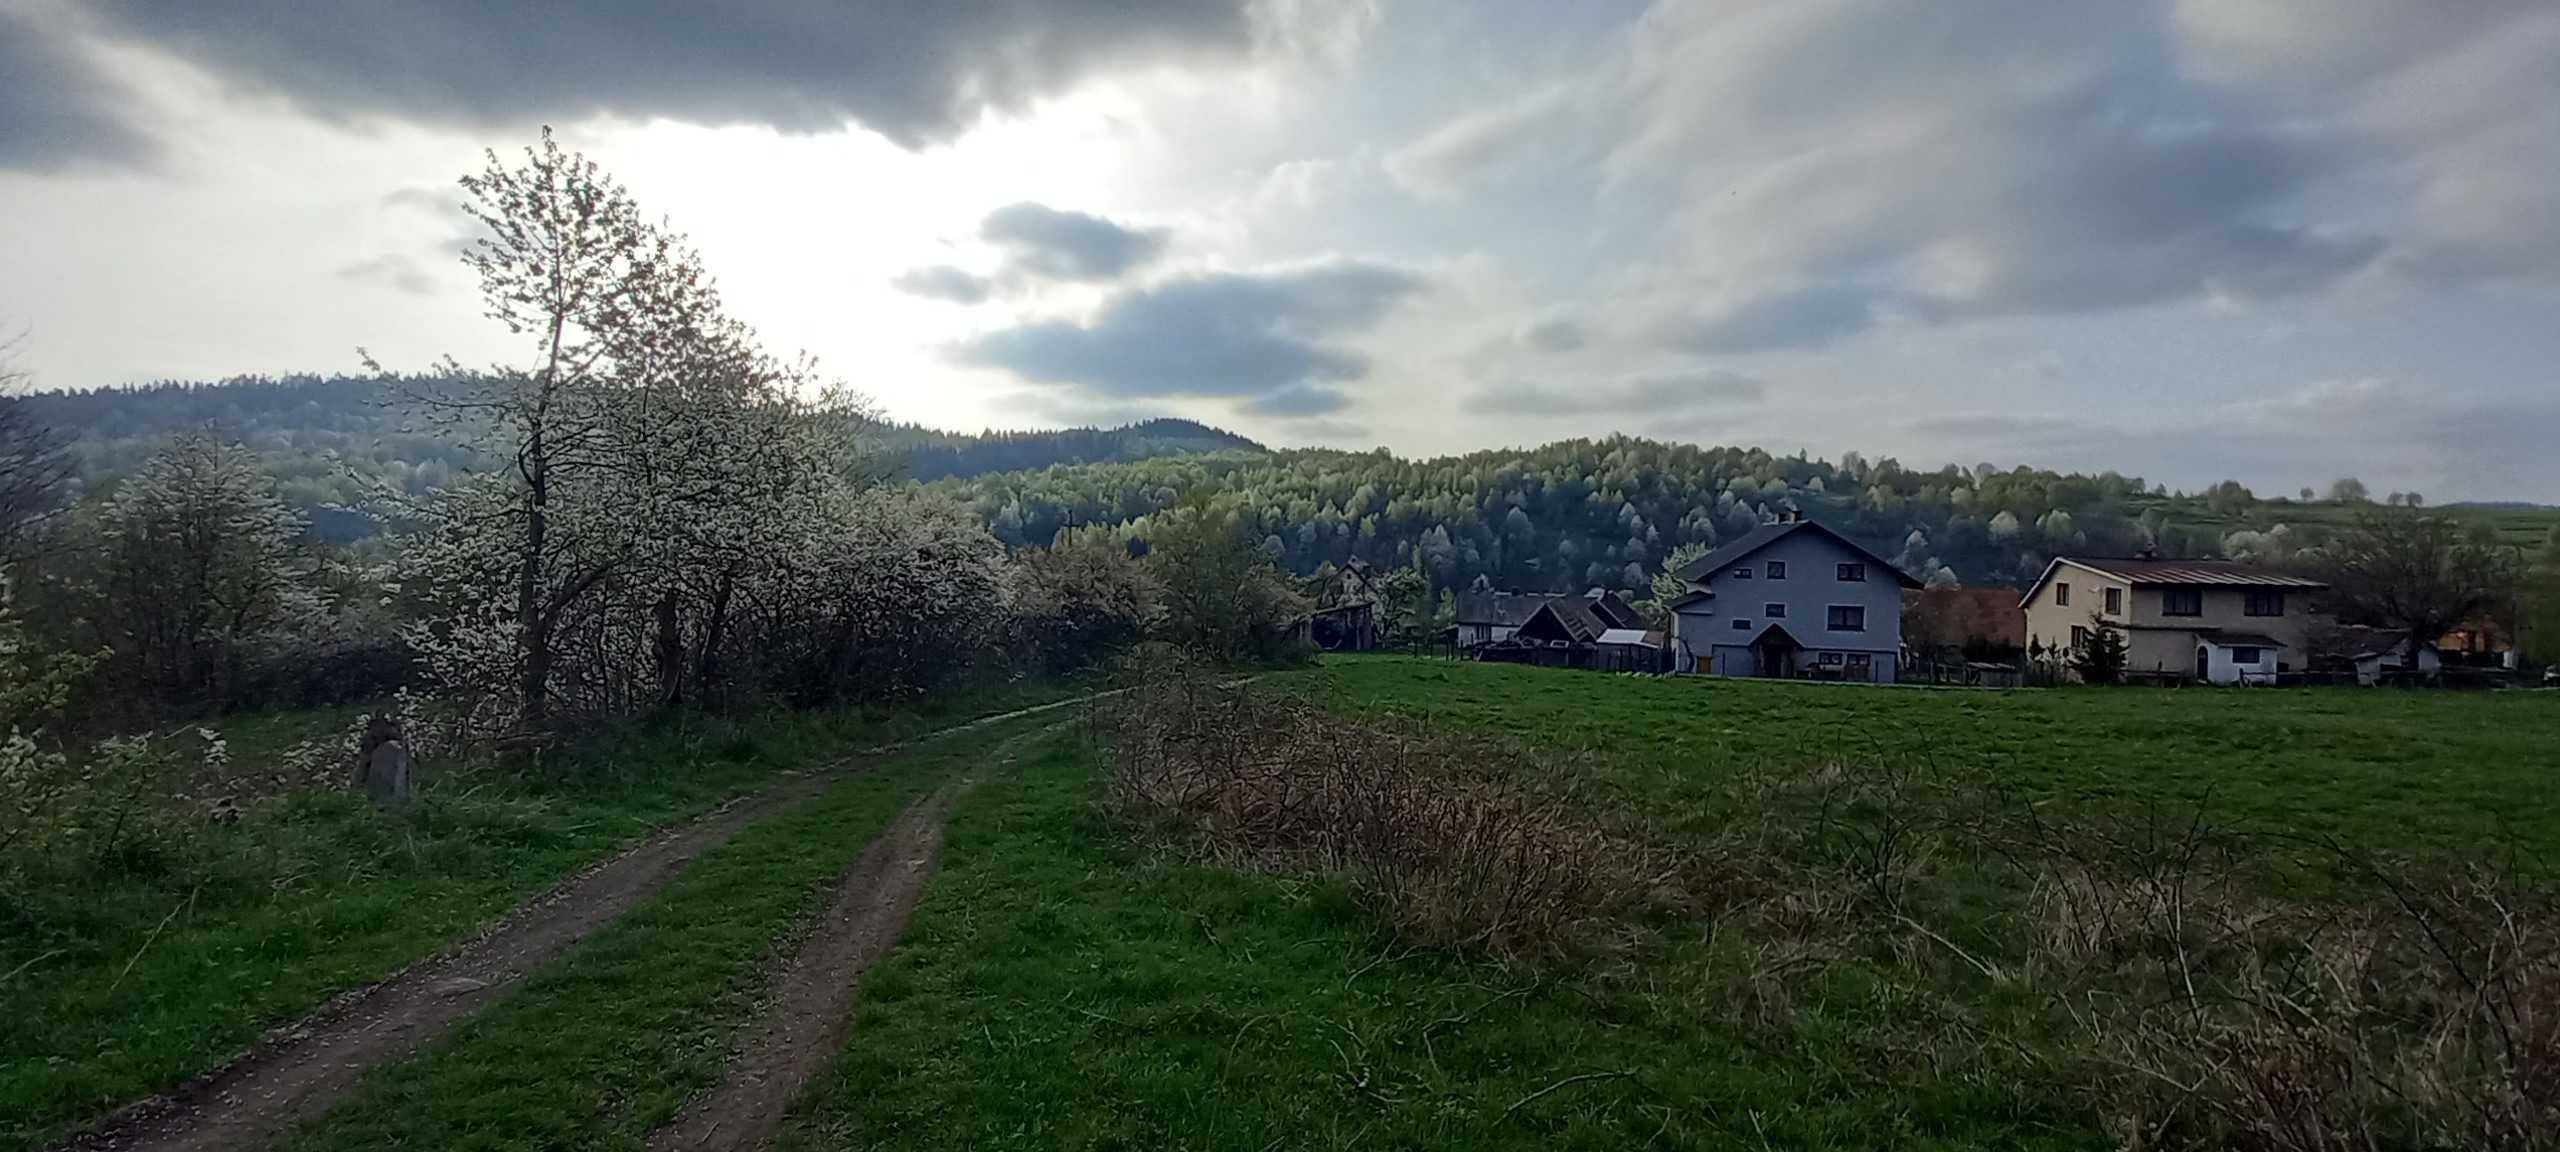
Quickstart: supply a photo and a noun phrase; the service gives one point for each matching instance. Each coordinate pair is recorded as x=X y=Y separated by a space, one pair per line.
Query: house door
x=2204 y=663
x=1775 y=656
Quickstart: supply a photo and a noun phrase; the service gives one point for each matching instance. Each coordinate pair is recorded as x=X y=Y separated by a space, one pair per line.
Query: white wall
x=2221 y=669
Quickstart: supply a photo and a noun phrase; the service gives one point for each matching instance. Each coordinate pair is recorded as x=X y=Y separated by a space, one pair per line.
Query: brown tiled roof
x=2208 y=573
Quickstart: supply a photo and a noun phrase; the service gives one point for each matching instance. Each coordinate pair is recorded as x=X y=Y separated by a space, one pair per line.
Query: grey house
x=1791 y=599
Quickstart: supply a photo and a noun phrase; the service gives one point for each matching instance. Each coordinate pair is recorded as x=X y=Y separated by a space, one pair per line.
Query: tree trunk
x=670 y=651
x=533 y=625
x=715 y=632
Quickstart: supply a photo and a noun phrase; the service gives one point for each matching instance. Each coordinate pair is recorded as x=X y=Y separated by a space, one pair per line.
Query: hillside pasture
x=2379 y=768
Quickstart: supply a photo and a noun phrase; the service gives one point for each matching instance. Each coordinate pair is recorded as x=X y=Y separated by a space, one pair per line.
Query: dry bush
x=2211 y=988
x=2190 y=983
x=1454 y=840
x=2198 y=984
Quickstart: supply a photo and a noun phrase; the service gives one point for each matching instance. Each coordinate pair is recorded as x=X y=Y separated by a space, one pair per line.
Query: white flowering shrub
x=1079 y=603
x=679 y=521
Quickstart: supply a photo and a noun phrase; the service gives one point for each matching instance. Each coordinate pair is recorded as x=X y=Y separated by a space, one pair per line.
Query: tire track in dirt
x=802 y=1020
x=300 y=1069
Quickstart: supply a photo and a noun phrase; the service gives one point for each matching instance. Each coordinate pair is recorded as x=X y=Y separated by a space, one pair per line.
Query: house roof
x=1628 y=636
x=1501 y=609
x=1613 y=608
x=2190 y=573
x=2209 y=634
x=1763 y=536
x=1513 y=609
x=1778 y=631
x=1574 y=615
x=1683 y=601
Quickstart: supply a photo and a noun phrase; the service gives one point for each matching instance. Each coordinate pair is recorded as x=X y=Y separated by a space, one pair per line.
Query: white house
x=2219 y=621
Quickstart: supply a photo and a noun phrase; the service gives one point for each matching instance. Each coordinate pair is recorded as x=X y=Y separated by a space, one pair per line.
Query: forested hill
x=932 y=454
x=1566 y=515
x=1583 y=512
x=321 y=434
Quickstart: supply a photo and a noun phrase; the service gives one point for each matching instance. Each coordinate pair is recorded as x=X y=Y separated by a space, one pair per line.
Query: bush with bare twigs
x=2221 y=990
x=2199 y=984
x=1453 y=850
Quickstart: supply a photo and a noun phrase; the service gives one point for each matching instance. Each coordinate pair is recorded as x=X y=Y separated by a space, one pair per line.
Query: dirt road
x=301 y=1069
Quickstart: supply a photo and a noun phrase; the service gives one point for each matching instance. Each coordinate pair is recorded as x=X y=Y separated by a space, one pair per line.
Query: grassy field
x=1073 y=979
x=126 y=976
x=2383 y=768
x=1065 y=987
x=1060 y=990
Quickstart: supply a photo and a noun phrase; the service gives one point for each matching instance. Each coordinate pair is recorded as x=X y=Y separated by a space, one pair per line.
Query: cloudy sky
x=2271 y=240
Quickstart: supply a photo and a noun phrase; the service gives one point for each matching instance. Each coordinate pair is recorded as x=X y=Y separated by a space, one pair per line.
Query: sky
x=2277 y=241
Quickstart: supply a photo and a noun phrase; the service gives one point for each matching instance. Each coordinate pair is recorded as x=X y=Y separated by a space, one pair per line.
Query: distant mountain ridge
x=318 y=434
x=932 y=454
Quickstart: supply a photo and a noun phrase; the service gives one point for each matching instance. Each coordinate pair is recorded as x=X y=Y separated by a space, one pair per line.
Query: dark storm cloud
x=1056 y=245
x=944 y=282
x=918 y=73
x=1838 y=162
x=1248 y=335
x=56 y=110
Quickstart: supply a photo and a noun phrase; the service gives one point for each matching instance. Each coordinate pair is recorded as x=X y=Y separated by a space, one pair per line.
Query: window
x=1741 y=625
x=1831 y=658
x=1777 y=569
x=2247 y=655
x=2115 y=601
x=2062 y=595
x=1848 y=618
x=1853 y=573
x=1774 y=611
x=2264 y=603
x=1861 y=667
x=1742 y=573
x=2079 y=638
x=2182 y=602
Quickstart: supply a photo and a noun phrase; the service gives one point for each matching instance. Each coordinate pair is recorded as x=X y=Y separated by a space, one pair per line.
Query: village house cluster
x=1794 y=599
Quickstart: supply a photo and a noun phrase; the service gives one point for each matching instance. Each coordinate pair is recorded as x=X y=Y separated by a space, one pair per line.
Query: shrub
x=1454 y=851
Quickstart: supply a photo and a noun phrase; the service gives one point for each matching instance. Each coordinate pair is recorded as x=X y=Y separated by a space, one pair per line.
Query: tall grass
x=2184 y=981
